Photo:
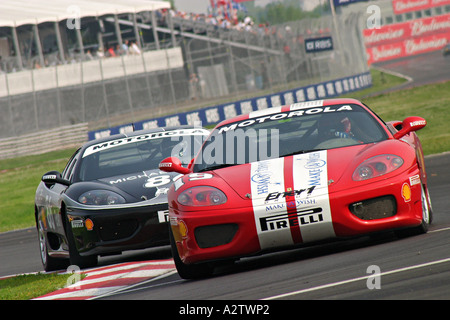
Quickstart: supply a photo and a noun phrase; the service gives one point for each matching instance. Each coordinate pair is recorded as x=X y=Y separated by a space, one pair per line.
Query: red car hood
x=272 y=178
x=328 y=170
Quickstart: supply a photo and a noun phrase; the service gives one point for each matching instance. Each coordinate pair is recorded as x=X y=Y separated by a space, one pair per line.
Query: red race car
x=296 y=174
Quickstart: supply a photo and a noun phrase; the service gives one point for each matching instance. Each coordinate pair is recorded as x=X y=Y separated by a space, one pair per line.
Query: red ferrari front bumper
x=196 y=234
x=361 y=209
x=388 y=204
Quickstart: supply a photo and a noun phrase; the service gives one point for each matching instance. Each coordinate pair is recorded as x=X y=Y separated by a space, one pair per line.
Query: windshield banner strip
x=149 y=136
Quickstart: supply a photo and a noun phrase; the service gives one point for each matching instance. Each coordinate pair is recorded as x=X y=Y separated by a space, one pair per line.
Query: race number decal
x=163 y=216
x=199 y=176
x=157 y=181
x=192 y=177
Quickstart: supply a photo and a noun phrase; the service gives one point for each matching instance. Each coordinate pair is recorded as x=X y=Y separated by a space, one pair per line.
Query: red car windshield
x=286 y=133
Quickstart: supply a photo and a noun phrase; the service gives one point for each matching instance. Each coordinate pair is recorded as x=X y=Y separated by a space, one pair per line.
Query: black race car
x=111 y=196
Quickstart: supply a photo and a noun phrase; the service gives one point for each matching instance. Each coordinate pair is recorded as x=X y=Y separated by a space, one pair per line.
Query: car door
x=49 y=198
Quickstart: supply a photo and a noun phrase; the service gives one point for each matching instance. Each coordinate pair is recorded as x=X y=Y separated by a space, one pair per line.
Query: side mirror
x=53 y=177
x=410 y=124
x=173 y=164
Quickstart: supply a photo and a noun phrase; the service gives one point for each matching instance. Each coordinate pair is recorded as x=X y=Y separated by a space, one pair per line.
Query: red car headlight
x=377 y=166
x=202 y=196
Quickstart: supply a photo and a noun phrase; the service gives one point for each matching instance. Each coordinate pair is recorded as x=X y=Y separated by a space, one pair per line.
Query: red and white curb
x=106 y=280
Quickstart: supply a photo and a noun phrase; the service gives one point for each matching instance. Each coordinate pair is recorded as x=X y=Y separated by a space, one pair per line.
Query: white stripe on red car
x=290 y=199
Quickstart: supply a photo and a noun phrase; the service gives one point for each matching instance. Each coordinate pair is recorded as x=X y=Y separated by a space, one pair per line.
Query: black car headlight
x=100 y=197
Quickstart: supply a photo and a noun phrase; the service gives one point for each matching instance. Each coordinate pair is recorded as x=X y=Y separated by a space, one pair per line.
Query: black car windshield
x=264 y=136
x=138 y=153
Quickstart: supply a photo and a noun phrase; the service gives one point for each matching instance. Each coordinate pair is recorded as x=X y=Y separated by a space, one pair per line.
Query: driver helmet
x=335 y=127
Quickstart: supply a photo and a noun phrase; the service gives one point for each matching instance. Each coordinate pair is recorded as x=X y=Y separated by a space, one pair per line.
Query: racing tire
x=427 y=216
x=189 y=271
x=48 y=262
x=427 y=211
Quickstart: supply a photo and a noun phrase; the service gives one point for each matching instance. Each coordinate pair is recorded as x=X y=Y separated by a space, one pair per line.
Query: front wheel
x=427 y=212
x=48 y=262
x=427 y=216
x=188 y=271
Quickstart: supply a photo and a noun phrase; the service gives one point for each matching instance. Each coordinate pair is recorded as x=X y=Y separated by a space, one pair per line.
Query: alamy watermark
x=235 y=146
x=74 y=278
x=374 y=280
x=374 y=19
x=74 y=20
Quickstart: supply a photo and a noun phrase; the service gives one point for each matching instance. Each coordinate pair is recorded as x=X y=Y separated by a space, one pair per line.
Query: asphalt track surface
x=384 y=268
x=423 y=69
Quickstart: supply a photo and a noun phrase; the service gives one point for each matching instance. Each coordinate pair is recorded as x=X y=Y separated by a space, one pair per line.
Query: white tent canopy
x=14 y=13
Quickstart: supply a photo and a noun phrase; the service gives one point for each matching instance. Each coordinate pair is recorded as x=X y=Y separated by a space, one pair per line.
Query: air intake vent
x=376 y=208
x=216 y=235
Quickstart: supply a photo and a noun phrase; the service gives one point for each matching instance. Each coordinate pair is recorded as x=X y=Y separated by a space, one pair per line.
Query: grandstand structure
x=63 y=62
x=107 y=62
x=398 y=11
x=56 y=32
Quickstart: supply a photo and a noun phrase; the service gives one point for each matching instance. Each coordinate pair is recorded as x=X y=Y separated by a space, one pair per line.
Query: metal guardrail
x=44 y=141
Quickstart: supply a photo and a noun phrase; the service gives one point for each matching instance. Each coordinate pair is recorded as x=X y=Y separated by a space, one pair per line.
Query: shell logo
x=406 y=192
x=89 y=224
x=182 y=228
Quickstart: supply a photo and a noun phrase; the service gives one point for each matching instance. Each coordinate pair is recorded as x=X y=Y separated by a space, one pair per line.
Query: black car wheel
x=49 y=263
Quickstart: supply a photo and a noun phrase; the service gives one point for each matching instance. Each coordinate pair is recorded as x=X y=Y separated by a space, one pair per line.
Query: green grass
x=380 y=81
x=25 y=287
x=19 y=179
x=430 y=102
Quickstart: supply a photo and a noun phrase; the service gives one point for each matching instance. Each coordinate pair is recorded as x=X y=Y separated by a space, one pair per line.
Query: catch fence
x=196 y=64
